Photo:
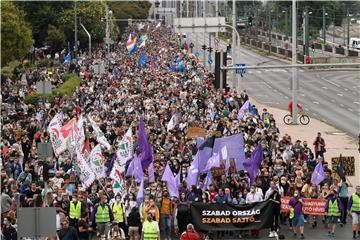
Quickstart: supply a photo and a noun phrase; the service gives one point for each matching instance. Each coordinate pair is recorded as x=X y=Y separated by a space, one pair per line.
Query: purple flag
x=130 y=169
x=225 y=155
x=205 y=150
x=151 y=172
x=177 y=179
x=193 y=172
x=111 y=165
x=318 y=174
x=138 y=172
x=145 y=147
x=168 y=177
x=252 y=164
x=140 y=194
x=214 y=161
x=241 y=112
x=208 y=179
x=235 y=148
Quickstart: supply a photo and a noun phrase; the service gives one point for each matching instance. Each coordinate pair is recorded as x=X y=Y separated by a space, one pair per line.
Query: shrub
x=68 y=87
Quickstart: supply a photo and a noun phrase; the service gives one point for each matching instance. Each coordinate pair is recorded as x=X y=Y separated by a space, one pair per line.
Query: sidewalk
x=336 y=141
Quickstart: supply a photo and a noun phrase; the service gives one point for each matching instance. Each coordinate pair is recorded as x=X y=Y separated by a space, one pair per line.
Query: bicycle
x=303 y=118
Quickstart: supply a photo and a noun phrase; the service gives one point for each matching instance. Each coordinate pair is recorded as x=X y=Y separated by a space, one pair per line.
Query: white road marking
x=337 y=85
x=300 y=70
x=324 y=87
x=346 y=89
x=356 y=102
x=350 y=109
x=339 y=94
x=275 y=70
x=316 y=102
x=258 y=71
x=303 y=95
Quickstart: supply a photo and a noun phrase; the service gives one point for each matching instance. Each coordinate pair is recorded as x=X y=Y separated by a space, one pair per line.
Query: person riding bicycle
x=298 y=105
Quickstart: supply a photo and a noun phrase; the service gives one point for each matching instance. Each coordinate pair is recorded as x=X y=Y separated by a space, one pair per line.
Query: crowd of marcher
x=116 y=99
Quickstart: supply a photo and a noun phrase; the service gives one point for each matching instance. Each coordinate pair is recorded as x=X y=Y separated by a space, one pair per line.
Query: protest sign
x=312 y=206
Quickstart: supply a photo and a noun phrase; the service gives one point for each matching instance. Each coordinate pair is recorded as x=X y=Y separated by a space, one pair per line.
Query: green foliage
x=53 y=22
x=8 y=70
x=67 y=88
x=55 y=38
x=16 y=38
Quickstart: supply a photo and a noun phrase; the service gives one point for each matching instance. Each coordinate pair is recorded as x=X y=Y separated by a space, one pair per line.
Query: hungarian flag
x=131 y=44
x=117 y=178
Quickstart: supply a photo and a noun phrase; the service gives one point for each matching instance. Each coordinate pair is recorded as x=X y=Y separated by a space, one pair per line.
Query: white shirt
x=253 y=197
x=113 y=234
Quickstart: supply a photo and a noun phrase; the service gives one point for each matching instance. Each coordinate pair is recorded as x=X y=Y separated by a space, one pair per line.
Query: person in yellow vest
x=333 y=210
x=150 y=229
x=354 y=210
x=119 y=214
x=75 y=210
x=102 y=215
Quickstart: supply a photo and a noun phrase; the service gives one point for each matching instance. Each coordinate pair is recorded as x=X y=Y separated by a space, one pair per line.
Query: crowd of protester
x=116 y=99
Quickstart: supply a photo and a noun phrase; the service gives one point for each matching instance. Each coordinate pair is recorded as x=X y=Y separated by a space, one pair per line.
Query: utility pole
x=107 y=34
x=217 y=14
x=294 y=70
x=348 y=28
x=76 y=36
x=234 y=58
x=306 y=43
x=269 y=23
x=204 y=16
x=324 y=30
x=286 y=24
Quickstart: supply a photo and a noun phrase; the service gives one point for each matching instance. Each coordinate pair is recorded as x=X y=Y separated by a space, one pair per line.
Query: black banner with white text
x=220 y=217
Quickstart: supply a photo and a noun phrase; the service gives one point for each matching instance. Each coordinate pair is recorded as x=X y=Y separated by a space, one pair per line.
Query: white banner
x=126 y=147
x=100 y=137
x=57 y=139
x=96 y=160
x=87 y=176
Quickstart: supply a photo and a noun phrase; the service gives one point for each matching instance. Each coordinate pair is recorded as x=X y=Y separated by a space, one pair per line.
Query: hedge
x=71 y=82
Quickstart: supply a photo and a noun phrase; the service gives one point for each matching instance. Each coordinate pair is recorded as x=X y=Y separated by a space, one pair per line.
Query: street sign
x=210 y=61
x=36 y=222
x=216 y=40
x=240 y=70
x=43 y=87
x=197 y=54
x=199 y=25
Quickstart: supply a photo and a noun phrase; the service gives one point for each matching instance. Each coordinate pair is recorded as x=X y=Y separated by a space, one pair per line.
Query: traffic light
x=203 y=47
x=210 y=49
x=228 y=47
x=250 y=19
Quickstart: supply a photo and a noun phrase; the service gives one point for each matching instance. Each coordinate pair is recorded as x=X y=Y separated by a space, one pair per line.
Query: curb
x=262 y=53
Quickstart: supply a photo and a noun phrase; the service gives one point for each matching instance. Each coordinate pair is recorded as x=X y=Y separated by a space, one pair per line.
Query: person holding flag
x=102 y=215
x=333 y=210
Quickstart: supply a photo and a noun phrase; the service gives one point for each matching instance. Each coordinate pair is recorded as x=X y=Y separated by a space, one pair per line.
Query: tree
x=55 y=38
x=16 y=36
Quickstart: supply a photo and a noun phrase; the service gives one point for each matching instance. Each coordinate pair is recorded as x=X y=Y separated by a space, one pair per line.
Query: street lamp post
x=294 y=70
x=76 y=34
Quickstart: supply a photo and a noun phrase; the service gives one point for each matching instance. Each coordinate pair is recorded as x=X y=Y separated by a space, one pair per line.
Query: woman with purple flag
x=296 y=214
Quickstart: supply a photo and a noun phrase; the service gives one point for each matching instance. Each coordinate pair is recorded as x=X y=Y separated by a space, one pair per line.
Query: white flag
x=87 y=176
x=96 y=160
x=56 y=138
x=142 y=44
x=173 y=122
x=100 y=137
x=125 y=148
x=117 y=178
x=81 y=133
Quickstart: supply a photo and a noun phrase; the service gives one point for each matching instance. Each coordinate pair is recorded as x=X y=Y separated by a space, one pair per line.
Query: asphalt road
x=330 y=96
x=320 y=232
